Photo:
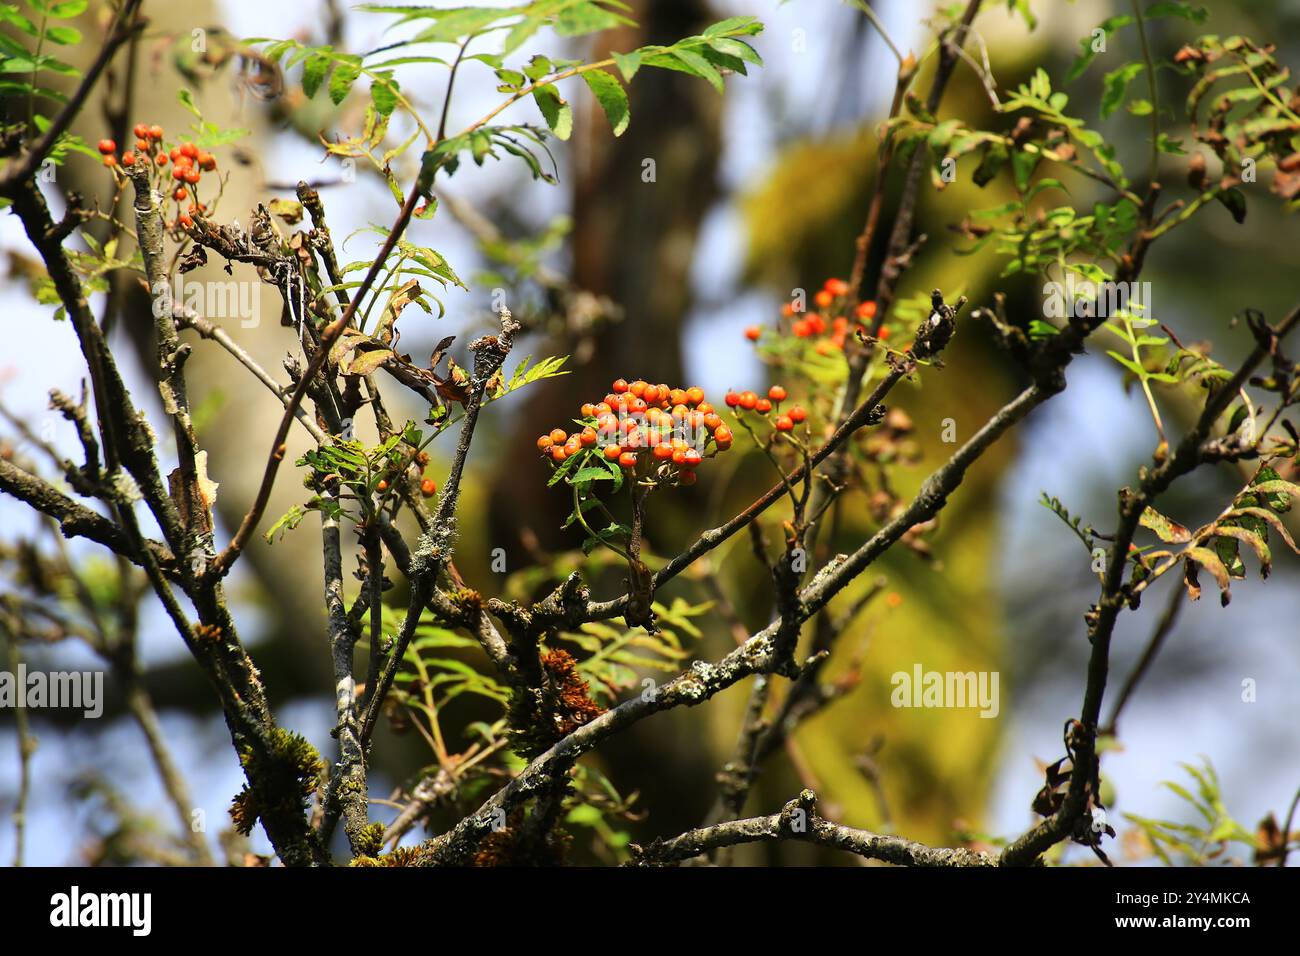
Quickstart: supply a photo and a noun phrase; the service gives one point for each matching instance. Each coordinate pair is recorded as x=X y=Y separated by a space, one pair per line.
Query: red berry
x=824 y=299
x=155 y=132
x=190 y=150
x=784 y=423
x=722 y=435
x=753 y=333
x=762 y=406
x=178 y=172
x=801 y=328
x=382 y=486
x=686 y=477
x=732 y=399
x=185 y=220
x=428 y=487
x=776 y=393
x=207 y=162
x=627 y=460
x=142 y=145
x=128 y=158
x=836 y=287
x=110 y=160
x=588 y=437
x=558 y=454
x=161 y=159
x=180 y=194
x=141 y=131
x=558 y=435
x=544 y=443
x=619 y=386
x=691 y=458
x=866 y=310
x=748 y=400
x=191 y=175
x=694 y=395
x=663 y=451
x=612 y=452
x=797 y=414
x=107 y=146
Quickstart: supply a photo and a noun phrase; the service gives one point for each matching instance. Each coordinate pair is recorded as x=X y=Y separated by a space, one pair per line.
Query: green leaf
x=383 y=93
x=345 y=74
x=1116 y=86
x=697 y=65
x=610 y=94
x=1166 y=529
x=314 y=71
x=557 y=113
x=628 y=63
x=1235 y=201
x=1172 y=9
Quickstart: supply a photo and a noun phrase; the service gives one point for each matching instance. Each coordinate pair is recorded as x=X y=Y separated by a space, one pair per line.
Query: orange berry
x=185 y=220
x=627 y=460
x=588 y=436
x=677 y=396
x=638 y=405
x=753 y=333
x=180 y=194
x=428 y=487
x=824 y=299
x=107 y=146
x=663 y=450
x=558 y=454
x=638 y=388
x=776 y=393
x=620 y=386
x=110 y=160
x=836 y=287
x=762 y=406
x=190 y=150
x=679 y=456
x=748 y=400
x=142 y=145
x=544 y=443
x=558 y=435
x=155 y=132
x=797 y=414
x=651 y=394
x=694 y=395
x=573 y=445
x=722 y=434
x=161 y=159
x=732 y=399
x=588 y=410
x=801 y=328
x=613 y=452
x=141 y=131
x=883 y=334
x=866 y=310
x=691 y=458
x=712 y=421
x=128 y=158
x=784 y=423
x=704 y=408
x=382 y=486
x=207 y=162
x=816 y=324
x=192 y=175
x=787 y=309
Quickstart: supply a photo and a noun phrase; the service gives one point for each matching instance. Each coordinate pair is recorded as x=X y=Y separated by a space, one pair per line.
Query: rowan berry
x=620 y=386
x=155 y=132
x=748 y=400
x=650 y=394
x=691 y=458
x=712 y=421
x=142 y=145
x=180 y=194
x=753 y=333
x=128 y=158
x=776 y=393
x=141 y=131
x=797 y=414
x=558 y=454
x=558 y=435
x=107 y=146
x=110 y=160
x=382 y=486
x=588 y=436
x=192 y=175
x=613 y=452
x=801 y=328
x=544 y=443
x=762 y=406
x=732 y=399
x=686 y=477
x=722 y=435
x=428 y=487
x=866 y=310
x=694 y=395
x=627 y=460
x=663 y=450
x=207 y=162
x=784 y=423
x=185 y=220
x=836 y=287
x=161 y=159
x=190 y=150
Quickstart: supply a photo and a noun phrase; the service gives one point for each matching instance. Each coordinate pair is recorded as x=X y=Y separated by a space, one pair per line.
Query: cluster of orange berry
x=753 y=402
x=189 y=163
x=648 y=430
x=832 y=301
